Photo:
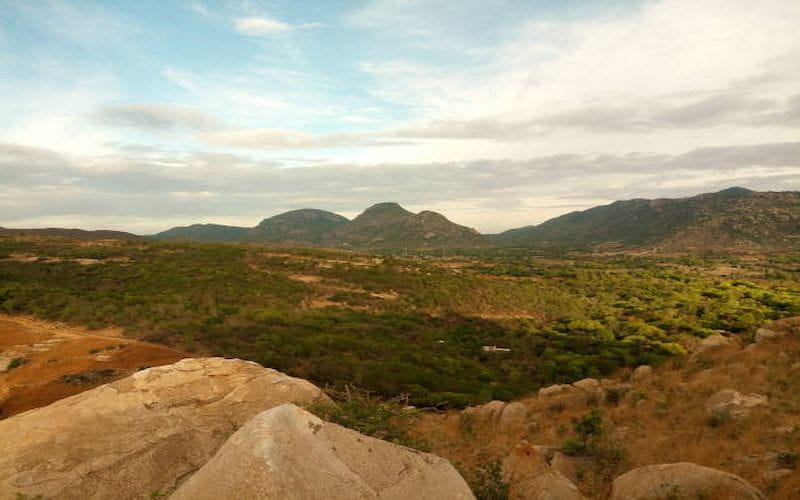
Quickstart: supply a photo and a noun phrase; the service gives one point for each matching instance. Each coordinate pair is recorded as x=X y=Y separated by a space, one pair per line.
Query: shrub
x=16 y=363
x=358 y=409
x=787 y=460
x=719 y=418
x=488 y=484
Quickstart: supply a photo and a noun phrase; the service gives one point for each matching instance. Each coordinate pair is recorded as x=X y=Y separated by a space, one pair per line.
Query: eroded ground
x=42 y=362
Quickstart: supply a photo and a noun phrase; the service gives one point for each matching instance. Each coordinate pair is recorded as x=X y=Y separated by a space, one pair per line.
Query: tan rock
x=553 y=390
x=529 y=477
x=642 y=374
x=776 y=475
x=506 y=417
x=514 y=416
x=712 y=342
x=587 y=384
x=547 y=452
x=766 y=334
x=681 y=481
x=139 y=435
x=733 y=403
x=568 y=466
x=288 y=453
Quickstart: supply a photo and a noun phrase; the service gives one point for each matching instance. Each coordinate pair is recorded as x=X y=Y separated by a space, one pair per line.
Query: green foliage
x=562 y=319
x=590 y=440
x=16 y=363
x=489 y=485
x=390 y=420
x=719 y=418
x=787 y=460
x=588 y=430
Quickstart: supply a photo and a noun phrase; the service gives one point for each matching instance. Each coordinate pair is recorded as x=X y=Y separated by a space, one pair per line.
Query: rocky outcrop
x=733 y=403
x=679 y=481
x=140 y=435
x=505 y=417
x=529 y=477
x=289 y=453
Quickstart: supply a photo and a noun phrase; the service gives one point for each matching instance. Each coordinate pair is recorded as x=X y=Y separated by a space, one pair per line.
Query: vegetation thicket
x=419 y=325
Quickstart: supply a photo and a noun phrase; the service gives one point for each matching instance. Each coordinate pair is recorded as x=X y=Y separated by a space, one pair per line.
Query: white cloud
x=261 y=26
x=666 y=76
x=132 y=188
x=264 y=138
x=154 y=117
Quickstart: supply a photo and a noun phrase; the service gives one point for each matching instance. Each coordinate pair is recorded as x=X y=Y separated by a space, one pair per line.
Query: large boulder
x=140 y=435
x=681 y=481
x=289 y=453
x=530 y=478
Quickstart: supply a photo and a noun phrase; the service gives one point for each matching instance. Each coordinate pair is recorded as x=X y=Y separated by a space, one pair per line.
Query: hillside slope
x=384 y=225
x=730 y=406
x=307 y=225
x=388 y=225
x=74 y=234
x=732 y=220
x=204 y=233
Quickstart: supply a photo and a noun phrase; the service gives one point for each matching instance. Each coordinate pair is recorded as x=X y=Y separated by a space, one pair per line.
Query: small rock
x=642 y=374
x=776 y=475
x=713 y=342
x=552 y=390
x=587 y=384
x=547 y=452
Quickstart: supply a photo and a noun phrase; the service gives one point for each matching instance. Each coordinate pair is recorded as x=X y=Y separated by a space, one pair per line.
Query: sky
x=144 y=115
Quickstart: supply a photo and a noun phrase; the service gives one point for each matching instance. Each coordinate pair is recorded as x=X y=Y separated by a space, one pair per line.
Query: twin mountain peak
x=384 y=225
x=732 y=220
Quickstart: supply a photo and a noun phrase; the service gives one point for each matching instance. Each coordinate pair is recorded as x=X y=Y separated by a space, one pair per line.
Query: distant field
x=421 y=325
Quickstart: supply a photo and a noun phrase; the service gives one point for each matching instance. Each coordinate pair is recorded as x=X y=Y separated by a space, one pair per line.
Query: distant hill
x=307 y=225
x=731 y=220
x=385 y=225
x=388 y=225
x=75 y=234
x=205 y=233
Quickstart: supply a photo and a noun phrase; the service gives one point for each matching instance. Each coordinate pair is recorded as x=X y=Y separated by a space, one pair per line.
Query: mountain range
x=734 y=220
x=381 y=226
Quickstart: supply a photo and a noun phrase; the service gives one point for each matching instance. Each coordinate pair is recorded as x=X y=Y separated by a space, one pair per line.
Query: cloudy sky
x=498 y=113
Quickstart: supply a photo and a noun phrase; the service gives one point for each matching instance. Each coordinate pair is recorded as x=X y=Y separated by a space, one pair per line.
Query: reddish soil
x=60 y=361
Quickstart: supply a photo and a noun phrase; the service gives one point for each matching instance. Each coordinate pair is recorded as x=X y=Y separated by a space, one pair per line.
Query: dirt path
x=43 y=361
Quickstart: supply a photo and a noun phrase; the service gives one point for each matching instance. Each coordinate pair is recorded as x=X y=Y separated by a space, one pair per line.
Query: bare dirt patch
x=59 y=360
x=305 y=278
